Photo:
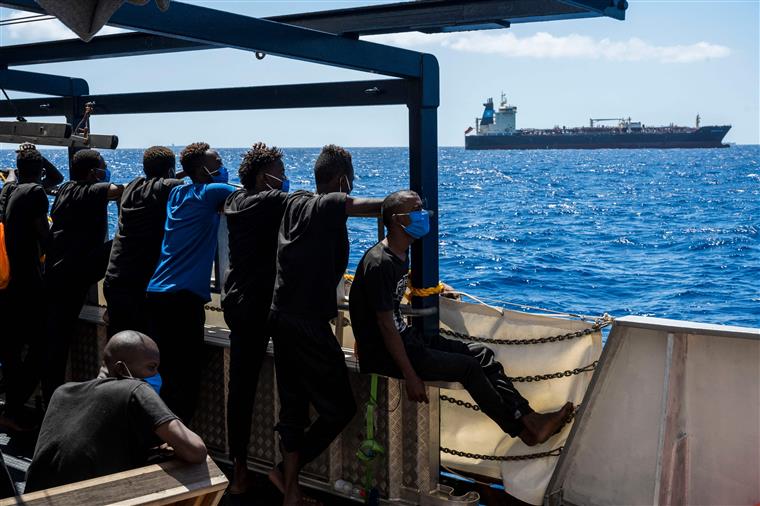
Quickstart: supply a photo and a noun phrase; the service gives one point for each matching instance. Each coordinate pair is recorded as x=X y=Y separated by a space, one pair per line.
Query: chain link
x=551 y=453
x=475 y=407
x=460 y=402
x=597 y=326
x=554 y=375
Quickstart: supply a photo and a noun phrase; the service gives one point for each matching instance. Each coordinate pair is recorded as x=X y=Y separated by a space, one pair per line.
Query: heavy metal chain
x=554 y=375
x=475 y=407
x=551 y=453
x=460 y=402
x=598 y=325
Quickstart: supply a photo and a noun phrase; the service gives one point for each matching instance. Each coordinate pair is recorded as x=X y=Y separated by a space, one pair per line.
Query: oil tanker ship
x=497 y=130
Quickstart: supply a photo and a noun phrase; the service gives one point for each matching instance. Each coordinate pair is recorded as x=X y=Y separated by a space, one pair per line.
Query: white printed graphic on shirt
x=399 y=320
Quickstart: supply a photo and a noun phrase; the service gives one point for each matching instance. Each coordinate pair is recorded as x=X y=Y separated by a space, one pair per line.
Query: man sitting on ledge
x=108 y=425
x=388 y=346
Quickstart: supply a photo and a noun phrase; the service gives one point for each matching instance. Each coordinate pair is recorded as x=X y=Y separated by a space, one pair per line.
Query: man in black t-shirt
x=386 y=345
x=137 y=243
x=77 y=256
x=50 y=178
x=23 y=210
x=312 y=254
x=108 y=425
x=253 y=219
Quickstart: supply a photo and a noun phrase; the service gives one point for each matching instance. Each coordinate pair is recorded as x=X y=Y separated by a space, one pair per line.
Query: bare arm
x=53 y=176
x=115 y=191
x=11 y=177
x=415 y=388
x=187 y=444
x=357 y=206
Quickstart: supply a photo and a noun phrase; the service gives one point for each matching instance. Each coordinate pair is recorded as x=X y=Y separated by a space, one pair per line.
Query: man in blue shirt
x=180 y=286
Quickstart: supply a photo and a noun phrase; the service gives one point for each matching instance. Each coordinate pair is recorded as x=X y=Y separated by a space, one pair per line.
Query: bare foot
x=541 y=426
x=240 y=481
x=298 y=498
x=277 y=479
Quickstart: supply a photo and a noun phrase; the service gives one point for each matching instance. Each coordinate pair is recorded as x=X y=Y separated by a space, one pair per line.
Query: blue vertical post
x=423 y=178
x=74 y=108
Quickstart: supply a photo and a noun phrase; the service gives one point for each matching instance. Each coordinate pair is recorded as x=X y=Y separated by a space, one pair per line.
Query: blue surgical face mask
x=221 y=175
x=419 y=224
x=284 y=183
x=155 y=382
x=106 y=175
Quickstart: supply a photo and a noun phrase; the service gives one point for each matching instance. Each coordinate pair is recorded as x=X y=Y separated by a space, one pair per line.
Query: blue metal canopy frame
x=418 y=89
x=188 y=27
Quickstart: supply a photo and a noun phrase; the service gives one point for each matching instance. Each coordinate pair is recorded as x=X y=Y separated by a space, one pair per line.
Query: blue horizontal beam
x=44 y=84
x=224 y=29
x=352 y=93
x=610 y=8
x=103 y=46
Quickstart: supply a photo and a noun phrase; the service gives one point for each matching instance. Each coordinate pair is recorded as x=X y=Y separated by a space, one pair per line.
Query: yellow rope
x=425 y=292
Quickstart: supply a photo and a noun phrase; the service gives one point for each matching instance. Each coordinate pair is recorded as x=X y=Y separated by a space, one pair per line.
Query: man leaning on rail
x=137 y=243
x=77 y=255
x=312 y=254
x=23 y=211
x=179 y=287
x=253 y=219
x=387 y=345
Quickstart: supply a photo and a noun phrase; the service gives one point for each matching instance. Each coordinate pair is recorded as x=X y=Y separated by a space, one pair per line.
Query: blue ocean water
x=665 y=233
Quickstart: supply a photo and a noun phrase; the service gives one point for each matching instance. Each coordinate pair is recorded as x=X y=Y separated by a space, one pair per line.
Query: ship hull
x=705 y=137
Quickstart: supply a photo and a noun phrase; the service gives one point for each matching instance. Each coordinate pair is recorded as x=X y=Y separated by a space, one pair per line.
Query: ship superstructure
x=497 y=129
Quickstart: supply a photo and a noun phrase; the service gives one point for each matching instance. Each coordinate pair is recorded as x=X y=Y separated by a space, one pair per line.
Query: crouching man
x=388 y=346
x=108 y=425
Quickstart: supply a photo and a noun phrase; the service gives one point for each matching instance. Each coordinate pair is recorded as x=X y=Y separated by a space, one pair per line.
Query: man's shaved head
x=398 y=202
x=138 y=352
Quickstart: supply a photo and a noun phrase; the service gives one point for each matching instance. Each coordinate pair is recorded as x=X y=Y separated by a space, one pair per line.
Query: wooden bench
x=175 y=482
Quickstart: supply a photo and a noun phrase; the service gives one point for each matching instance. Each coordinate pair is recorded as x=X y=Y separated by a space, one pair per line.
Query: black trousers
x=22 y=342
x=475 y=367
x=175 y=321
x=67 y=287
x=311 y=368
x=65 y=299
x=249 y=337
x=126 y=307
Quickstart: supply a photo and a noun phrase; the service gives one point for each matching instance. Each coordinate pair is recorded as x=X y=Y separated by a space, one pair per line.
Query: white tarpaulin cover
x=470 y=431
x=86 y=17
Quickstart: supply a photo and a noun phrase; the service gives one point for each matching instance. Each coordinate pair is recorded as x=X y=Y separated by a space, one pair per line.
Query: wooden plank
x=154 y=485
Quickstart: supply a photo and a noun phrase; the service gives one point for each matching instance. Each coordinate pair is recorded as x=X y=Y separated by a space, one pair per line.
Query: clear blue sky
x=668 y=61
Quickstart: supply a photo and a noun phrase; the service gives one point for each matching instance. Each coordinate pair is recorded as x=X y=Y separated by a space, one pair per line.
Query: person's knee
x=483 y=354
x=469 y=366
